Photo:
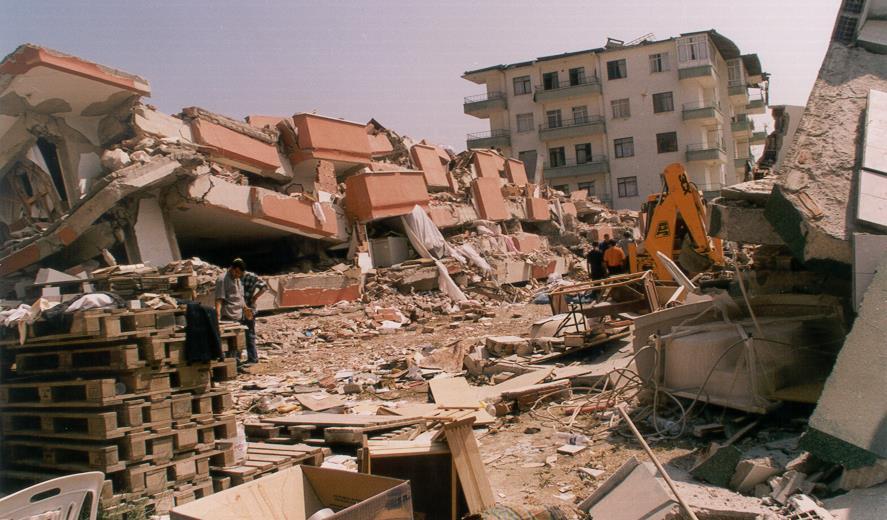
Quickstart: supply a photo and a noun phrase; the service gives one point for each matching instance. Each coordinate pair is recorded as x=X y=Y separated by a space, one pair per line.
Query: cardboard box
x=299 y=492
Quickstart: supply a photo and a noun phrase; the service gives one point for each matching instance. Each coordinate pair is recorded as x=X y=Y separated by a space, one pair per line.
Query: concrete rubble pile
x=94 y=175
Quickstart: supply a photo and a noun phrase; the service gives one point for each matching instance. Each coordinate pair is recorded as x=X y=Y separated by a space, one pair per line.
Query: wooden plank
x=469 y=466
x=454 y=392
x=332 y=419
x=526 y=379
x=319 y=402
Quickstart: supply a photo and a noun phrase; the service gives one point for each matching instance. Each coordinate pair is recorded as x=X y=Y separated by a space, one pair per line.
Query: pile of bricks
x=114 y=393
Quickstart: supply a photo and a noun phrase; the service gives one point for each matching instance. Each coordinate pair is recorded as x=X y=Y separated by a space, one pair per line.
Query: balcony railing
x=699 y=147
x=595 y=164
x=698 y=105
x=489 y=139
x=487 y=96
x=593 y=80
x=488 y=134
x=567 y=123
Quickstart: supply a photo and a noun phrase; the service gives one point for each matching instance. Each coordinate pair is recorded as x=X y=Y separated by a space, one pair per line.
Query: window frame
x=622 y=184
x=660 y=140
x=553 y=85
x=583 y=115
x=526 y=83
x=585 y=185
x=581 y=78
x=530 y=128
x=557 y=116
x=620 y=66
x=586 y=149
x=660 y=61
x=660 y=96
x=562 y=157
x=627 y=107
x=621 y=144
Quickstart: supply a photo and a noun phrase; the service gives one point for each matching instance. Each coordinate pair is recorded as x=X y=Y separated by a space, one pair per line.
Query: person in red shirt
x=614 y=258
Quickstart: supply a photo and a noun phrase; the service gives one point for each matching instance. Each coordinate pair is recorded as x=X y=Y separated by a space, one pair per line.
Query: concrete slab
x=487 y=195
x=428 y=159
x=859 y=504
x=872 y=199
x=874 y=148
x=757 y=191
x=371 y=196
x=868 y=251
x=740 y=221
x=515 y=172
x=537 y=209
x=852 y=412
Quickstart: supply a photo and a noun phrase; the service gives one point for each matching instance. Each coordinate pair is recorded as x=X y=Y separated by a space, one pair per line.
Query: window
x=554 y=118
x=667 y=142
x=693 y=48
x=525 y=122
x=659 y=62
x=734 y=73
x=522 y=85
x=577 y=76
x=621 y=108
x=588 y=187
x=627 y=186
x=528 y=157
x=616 y=69
x=580 y=115
x=583 y=153
x=556 y=157
x=623 y=147
x=663 y=102
x=549 y=81
x=562 y=187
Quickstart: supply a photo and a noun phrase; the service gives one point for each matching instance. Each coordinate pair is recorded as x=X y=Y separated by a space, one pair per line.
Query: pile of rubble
x=322 y=204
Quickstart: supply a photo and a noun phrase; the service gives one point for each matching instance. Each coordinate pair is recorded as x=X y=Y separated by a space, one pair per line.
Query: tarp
x=430 y=243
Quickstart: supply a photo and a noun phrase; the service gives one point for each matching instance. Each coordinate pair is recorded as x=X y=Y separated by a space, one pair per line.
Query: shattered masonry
x=89 y=167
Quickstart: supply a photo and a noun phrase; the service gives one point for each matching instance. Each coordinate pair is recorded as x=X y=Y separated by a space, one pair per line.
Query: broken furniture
x=62 y=498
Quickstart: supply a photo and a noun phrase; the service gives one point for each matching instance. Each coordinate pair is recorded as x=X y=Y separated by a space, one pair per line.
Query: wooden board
x=453 y=392
x=526 y=379
x=333 y=419
x=469 y=466
x=319 y=402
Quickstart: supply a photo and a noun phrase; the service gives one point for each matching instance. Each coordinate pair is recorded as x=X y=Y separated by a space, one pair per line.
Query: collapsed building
x=92 y=174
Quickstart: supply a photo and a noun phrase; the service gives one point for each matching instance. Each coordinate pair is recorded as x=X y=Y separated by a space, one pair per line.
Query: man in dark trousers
x=253 y=288
x=595 y=261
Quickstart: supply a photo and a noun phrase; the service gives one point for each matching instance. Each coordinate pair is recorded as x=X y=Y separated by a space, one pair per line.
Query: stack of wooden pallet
x=116 y=394
x=130 y=281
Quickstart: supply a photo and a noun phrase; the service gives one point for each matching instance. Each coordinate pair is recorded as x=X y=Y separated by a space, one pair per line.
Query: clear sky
x=397 y=61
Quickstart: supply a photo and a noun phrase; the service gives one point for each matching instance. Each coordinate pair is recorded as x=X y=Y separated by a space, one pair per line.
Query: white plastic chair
x=63 y=496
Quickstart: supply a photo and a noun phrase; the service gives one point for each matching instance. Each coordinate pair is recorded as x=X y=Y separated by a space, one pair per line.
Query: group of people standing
x=608 y=257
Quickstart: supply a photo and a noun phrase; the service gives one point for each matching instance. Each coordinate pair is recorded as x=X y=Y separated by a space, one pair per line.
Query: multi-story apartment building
x=610 y=119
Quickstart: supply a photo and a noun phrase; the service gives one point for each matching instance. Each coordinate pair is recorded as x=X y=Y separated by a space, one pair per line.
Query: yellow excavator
x=675 y=224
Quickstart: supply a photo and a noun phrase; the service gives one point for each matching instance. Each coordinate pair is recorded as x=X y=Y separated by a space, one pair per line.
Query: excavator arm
x=679 y=206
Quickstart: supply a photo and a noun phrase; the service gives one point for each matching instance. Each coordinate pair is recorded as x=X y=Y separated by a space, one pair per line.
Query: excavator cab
x=675 y=224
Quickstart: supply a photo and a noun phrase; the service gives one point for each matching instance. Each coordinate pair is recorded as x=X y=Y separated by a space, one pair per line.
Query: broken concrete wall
x=811 y=203
x=376 y=195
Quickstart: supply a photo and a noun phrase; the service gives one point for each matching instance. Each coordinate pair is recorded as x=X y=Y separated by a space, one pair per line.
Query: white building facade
x=609 y=120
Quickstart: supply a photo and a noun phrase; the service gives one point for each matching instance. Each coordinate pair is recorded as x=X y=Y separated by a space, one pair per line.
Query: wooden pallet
x=264 y=458
x=62 y=457
x=81 y=394
x=63 y=425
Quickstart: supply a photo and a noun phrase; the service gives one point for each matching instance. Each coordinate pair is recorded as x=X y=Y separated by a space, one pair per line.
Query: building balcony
x=701 y=111
x=491 y=139
x=703 y=73
x=756 y=106
x=758 y=138
x=585 y=87
x=566 y=128
x=742 y=125
x=740 y=163
x=482 y=105
x=598 y=164
x=738 y=94
x=706 y=152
